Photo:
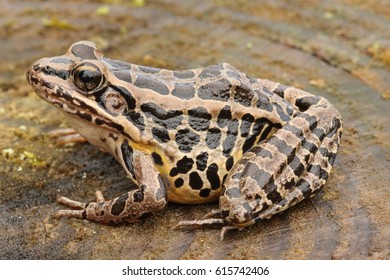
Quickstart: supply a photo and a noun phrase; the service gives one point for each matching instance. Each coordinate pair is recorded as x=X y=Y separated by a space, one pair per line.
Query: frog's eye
x=87 y=77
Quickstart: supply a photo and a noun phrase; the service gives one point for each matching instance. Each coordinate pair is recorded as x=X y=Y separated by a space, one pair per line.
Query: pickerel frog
x=192 y=136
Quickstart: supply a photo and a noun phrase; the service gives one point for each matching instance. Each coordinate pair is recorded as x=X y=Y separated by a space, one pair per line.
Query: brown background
x=339 y=49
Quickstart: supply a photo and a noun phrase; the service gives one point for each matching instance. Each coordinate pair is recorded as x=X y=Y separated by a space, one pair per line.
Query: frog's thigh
x=150 y=197
x=288 y=167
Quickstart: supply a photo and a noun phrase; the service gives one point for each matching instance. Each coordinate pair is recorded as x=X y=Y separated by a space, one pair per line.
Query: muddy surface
x=339 y=49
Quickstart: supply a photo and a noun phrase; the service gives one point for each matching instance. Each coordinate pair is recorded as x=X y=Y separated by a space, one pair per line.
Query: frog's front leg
x=150 y=197
x=285 y=169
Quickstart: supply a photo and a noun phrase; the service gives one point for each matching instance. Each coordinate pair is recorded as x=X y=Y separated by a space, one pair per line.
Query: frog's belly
x=196 y=184
x=186 y=195
x=184 y=189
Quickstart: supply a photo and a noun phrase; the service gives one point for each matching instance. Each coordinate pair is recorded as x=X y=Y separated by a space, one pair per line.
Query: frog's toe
x=73 y=204
x=206 y=223
x=213 y=223
x=80 y=214
x=66 y=136
x=77 y=209
x=226 y=229
x=99 y=196
x=215 y=213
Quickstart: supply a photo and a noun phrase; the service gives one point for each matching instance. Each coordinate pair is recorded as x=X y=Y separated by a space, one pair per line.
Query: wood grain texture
x=337 y=49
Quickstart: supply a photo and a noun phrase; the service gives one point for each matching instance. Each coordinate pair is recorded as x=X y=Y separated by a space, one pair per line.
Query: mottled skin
x=192 y=136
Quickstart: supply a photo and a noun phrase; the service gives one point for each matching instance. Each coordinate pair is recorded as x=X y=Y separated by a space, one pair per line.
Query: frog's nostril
x=36 y=67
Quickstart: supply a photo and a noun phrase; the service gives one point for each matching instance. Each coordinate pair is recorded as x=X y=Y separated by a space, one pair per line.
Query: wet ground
x=337 y=49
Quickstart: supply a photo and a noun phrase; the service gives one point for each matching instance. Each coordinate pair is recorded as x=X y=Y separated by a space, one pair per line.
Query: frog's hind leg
x=326 y=124
x=289 y=166
x=150 y=197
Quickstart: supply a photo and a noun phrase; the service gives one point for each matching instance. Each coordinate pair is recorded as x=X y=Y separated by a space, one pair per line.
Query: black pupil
x=87 y=76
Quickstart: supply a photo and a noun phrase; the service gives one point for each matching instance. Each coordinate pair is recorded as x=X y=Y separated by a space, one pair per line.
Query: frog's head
x=80 y=83
x=78 y=71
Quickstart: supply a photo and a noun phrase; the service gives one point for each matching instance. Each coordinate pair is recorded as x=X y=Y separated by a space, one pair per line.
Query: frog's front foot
x=129 y=207
x=132 y=206
x=78 y=208
x=100 y=211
